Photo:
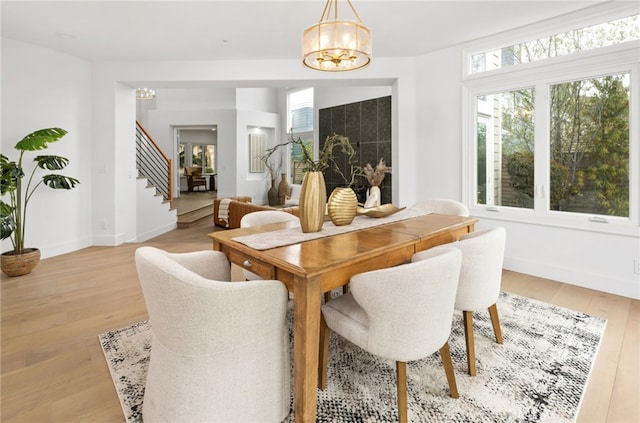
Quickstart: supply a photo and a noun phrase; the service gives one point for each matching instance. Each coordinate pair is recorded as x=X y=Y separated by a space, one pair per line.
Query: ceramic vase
x=313 y=194
x=284 y=189
x=342 y=206
x=272 y=194
x=373 y=197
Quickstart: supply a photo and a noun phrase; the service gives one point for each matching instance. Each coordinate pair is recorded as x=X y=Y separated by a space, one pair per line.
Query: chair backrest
x=409 y=307
x=186 y=308
x=264 y=217
x=481 y=271
x=194 y=171
x=442 y=206
x=219 y=349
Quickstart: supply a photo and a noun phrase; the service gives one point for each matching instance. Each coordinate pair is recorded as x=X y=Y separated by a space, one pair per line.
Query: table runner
x=288 y=236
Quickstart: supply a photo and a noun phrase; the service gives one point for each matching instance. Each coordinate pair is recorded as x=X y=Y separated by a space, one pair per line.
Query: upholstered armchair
x=195 y=178
x=220 y=349
x=401 y=313
x=264 y=217
x=480 y=280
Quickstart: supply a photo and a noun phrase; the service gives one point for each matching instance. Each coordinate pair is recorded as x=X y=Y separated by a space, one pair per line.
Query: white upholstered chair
x=220 y=349
x=442 y=206
x=480 y=279
x=401 y=313
x=264 y=217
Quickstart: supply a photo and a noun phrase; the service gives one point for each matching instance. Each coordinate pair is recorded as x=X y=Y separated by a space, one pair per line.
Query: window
x=201 y=155
x=505 y=147
x=583 y=39
x=300 y=111
x=589 y=145
x=204 y=156
x=555 y=142
x=299 y=125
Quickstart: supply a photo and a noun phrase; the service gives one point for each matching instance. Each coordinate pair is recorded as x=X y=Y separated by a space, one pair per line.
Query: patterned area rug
x=538 y=375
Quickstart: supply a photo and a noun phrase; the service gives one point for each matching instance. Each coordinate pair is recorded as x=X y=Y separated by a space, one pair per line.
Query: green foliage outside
x=589 y=138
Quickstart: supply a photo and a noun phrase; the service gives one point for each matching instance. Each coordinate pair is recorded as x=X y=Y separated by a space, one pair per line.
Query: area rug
x=539 y=374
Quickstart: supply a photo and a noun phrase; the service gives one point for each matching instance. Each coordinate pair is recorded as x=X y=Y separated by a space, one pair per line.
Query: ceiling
x=213 y=30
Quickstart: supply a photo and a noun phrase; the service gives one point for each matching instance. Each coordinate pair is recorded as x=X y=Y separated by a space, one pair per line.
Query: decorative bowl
x=380 y=211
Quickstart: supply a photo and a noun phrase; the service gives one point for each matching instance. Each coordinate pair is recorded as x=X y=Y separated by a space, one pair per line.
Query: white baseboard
x=599 y=282
x=156 y=231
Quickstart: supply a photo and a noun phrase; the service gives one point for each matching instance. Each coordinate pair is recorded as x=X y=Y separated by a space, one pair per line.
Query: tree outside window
x=586 y=151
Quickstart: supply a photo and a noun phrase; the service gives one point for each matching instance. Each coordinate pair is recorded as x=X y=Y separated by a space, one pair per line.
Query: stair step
x=185 y=219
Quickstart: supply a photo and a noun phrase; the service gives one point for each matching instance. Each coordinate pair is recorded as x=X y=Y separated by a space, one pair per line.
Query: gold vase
x=342 y=206
x=313 y=195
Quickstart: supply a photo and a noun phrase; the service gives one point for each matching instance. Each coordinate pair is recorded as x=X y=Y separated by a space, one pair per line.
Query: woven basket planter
x=19 y=264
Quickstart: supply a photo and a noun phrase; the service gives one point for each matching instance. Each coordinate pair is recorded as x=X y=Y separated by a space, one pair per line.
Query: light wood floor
x=53 y=369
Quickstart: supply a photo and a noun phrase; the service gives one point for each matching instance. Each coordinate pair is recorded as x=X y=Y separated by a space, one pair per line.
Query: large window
x=556 y=140
x=299 y=125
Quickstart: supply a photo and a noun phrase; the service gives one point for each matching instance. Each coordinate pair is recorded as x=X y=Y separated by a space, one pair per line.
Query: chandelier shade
x=336 y=45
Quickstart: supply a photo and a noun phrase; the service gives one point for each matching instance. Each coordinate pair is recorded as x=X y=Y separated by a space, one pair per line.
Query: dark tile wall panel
x=367 y=124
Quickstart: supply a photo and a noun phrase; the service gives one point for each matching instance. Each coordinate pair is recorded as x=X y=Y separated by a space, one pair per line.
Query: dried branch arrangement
x=375 y=175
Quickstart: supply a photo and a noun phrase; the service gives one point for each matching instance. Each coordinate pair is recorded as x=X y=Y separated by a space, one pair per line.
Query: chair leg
x=448 y=370
x=323 y=359
x=495 y=321
x=401 y=375
x=468 y=337
x=327 y=296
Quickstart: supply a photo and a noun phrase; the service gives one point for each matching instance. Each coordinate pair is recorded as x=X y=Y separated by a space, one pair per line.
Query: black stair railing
x=153 y=164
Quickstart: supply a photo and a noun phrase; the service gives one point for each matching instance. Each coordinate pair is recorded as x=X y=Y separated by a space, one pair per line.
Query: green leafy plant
x=13 y=214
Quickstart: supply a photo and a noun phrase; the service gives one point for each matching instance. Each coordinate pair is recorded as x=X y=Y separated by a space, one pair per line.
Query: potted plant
x=313 y=192
x=21 y=260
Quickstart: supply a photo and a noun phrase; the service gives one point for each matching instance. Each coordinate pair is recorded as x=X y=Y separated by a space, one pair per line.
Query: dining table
x=313 y=264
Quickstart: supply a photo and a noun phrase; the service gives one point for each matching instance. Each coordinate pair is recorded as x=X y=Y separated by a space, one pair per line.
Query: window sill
x=583 y=222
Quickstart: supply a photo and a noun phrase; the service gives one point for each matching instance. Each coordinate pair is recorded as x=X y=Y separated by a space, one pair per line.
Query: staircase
x=154 y=188
x=193 y=207
x=155 y=216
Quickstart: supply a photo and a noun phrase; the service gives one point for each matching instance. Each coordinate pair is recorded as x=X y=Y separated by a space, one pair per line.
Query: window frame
x=540 y=76
x=310 y=132
x=580 y=19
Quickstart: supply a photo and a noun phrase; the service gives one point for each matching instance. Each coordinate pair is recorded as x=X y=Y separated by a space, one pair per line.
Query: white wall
x=257 y=99
x=253 y=184
x=439 y=133
x=42 y=88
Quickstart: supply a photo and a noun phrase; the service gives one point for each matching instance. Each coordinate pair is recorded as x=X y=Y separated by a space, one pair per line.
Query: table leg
x=306 y=338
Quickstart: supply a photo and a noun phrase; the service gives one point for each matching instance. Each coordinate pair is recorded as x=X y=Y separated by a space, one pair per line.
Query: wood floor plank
x=53 y=369
x=623 y=406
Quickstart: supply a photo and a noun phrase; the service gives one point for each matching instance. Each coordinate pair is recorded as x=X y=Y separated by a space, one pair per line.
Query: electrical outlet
x=636 y=266
x=103 y=224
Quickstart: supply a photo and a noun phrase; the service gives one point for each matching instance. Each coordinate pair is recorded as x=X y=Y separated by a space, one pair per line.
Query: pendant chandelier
x=145 y=94
x=335 y=45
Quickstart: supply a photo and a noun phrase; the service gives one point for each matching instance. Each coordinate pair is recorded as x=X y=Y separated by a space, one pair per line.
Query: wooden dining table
x=314 y=267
